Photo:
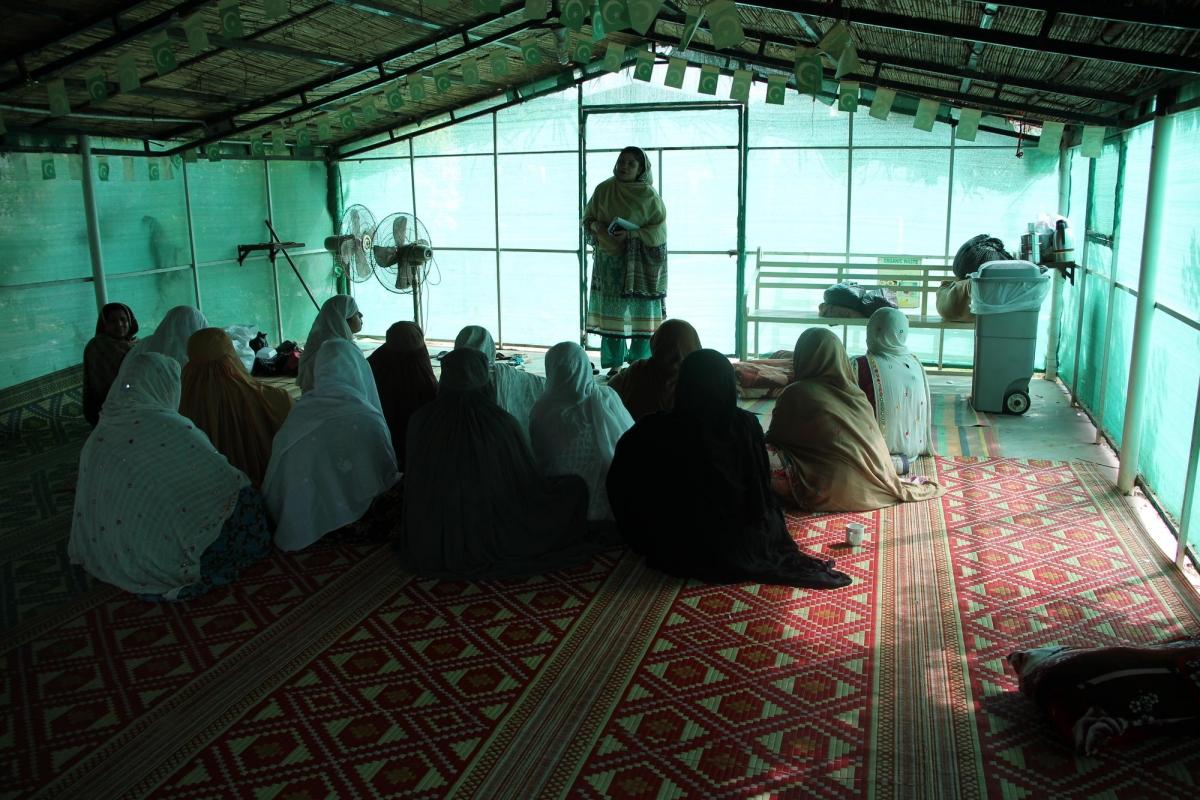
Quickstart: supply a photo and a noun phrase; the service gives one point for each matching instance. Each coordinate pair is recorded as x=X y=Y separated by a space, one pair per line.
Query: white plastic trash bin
x=1006 y=297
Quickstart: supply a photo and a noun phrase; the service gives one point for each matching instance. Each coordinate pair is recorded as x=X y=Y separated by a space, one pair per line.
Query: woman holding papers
x=626 y=224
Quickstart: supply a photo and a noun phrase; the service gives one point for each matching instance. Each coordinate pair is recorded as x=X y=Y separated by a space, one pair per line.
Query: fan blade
x=400 y=231
x=403 y=278
x=360 y=264
x=384 y=256
x=346 y=250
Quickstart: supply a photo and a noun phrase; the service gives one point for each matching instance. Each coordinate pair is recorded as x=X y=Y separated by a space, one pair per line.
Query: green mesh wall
x=46 y=295
x=1117 y=196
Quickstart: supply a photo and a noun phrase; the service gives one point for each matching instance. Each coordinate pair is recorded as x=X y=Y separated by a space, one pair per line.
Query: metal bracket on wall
x=271 y=247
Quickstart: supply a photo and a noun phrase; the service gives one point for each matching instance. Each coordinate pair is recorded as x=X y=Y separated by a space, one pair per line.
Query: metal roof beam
x=994 y=105
x=985 y=21
x=250 y=45
x=951 y=30
x=122 y=36
x=225 y=124
x=1157 y=14
x=1104 y=96
x=109 y=18
x=384 y=10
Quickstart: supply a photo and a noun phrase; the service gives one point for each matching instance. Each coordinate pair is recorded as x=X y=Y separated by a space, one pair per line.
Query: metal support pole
x=1189 y=486
x=1111 y=303
x=274 y=270
x=93 y=224
x=1056 y=287
x=187 y=206
x=1131 y=439
x=583 y=285
x=496 y=222
x=739 y=314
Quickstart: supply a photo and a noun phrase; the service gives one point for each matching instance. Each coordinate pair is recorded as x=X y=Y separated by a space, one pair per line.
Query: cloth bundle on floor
x=1103 y=696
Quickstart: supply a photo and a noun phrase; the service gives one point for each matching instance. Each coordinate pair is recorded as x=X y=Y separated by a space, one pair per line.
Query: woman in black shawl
x=116 y=333
x=478 y=508
x=708 y=514
x=404 y=378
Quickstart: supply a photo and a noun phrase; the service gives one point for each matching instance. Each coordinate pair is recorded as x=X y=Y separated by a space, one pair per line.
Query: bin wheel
x=1016 y=402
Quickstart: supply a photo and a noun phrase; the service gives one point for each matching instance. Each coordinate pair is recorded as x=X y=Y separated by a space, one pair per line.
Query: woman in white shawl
x=516 y=390
x=895 y=384
x=158 y=511
x=170 y=339
x=339 y=318
x=333 y=456
x=576 y=423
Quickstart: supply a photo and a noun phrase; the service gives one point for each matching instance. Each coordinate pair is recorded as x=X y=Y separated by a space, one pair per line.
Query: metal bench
x=914 y=278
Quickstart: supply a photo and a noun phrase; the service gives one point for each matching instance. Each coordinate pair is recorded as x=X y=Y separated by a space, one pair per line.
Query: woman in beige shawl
x=827 y=441
x=629 y=276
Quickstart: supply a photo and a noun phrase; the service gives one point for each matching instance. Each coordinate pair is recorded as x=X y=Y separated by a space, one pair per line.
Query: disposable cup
x=855 y=531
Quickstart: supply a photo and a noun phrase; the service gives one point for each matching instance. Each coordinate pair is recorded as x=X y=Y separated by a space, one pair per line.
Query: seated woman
x=828 y=450
x=485 y=510
x=516 y=390
x=894 y=382
x=690 y=489
x=339 y=318
x=333 y=456
x=171 y=336
x=240 y=415
x=116 y=332
x=404 y=378
x=575 y=424
x=649 y=385
x=158 y=511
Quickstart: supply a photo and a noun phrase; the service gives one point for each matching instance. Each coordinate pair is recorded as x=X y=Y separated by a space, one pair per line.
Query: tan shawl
x=644 y=251
x=240 y=415
x=648 y=385
x=826 y=429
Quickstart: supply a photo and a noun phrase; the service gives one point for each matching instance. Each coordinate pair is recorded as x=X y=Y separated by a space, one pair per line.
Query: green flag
x=49 y=173
x=274 y=9
x=968 y=124
x=615 y=15
x=103 y=170
x=189 y=156
x=642 y=13
x=164 y=55
x=441 y=80
x=127 y=72
x=643 y=70
x=231 y=19
x=581 y=49
x=725 y=24
x=470 y=71
x=926 y=115
x=304 y=138
x=346 y=119
x=881 y=104
x=776 y=89
x=369 y=112
x=807 y=68
x=536 y=9
x=256 y=146
x=56 y=91
x=690 y=26
x=614 y=57
x=571 y=13
x=325 y=130
x=848 y=97
x=1051 y=137
x=394 y=97
x=153 y=170
x=530 y=52
x=740 y=90
x=676 y=70
x=498 y=61
x=416 y=87
x=710 y=75
x=197 y=36
x=212 y=151
x=97 y=85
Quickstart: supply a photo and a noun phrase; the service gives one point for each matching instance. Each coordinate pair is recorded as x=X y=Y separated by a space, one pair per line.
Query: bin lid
x=1008 y=269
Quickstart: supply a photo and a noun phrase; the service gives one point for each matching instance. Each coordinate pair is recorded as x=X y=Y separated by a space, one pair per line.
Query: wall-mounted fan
x=352 y=246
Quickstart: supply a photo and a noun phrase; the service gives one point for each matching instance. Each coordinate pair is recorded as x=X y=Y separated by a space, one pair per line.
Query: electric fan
x=352 y=246
x=401 y=252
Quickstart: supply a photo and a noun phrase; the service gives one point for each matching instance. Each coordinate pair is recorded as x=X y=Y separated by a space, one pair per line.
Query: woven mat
x=332 y=672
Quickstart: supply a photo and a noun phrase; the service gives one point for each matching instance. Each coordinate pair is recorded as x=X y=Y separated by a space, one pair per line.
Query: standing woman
x=629 y=277
x=116 y=332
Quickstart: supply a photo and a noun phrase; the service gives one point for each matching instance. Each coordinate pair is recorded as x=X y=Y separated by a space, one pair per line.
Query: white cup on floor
x=855 y=531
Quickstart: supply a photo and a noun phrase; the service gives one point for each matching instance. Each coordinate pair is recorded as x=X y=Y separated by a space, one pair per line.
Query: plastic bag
x=1001 y=287
x=241 y=336
x=977 y=251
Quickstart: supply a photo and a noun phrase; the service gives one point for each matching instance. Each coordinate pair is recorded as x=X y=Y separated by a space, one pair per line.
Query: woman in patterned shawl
x=629 y=278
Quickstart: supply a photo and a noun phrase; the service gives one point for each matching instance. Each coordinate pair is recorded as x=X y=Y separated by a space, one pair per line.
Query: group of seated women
x=490 y=472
